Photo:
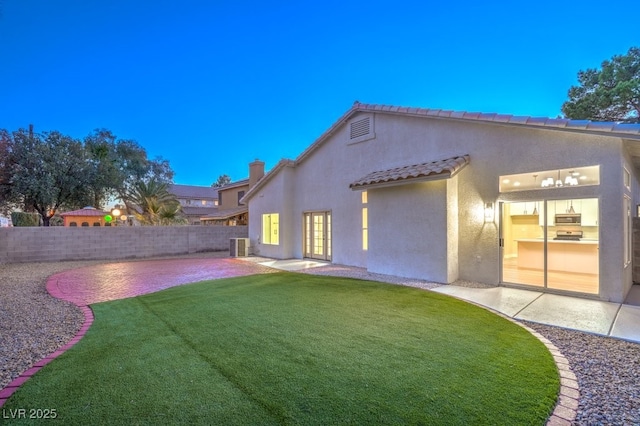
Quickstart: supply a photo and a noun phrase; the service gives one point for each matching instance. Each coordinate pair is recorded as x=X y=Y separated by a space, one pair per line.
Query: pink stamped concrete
x=101 y=283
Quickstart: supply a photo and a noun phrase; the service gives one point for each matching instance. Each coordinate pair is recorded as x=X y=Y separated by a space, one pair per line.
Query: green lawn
x=289 y=348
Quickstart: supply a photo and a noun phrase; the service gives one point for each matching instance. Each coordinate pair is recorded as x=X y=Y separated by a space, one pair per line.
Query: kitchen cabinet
x=519 y=209
x=588 y=207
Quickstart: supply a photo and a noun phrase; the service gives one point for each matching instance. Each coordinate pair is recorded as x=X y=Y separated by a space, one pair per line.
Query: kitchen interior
x=571 y=243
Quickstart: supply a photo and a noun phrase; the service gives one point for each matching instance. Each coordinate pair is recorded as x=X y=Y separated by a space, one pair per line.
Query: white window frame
x=271 y=229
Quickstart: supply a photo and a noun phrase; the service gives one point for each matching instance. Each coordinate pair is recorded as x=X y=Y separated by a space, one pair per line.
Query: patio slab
x=292 y=264
x=509 y=301
x=593 y=316
x=627 y=323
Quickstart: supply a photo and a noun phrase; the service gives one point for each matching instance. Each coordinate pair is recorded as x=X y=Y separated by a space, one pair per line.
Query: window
x=626 y=176
x=365 y=222
x=73 y=224
x=551 y=179
x=215 y=202
x=96 y=223
x=270 y=228
x=627 y=231
x=240 y=195
x=85 y=224
x=204 y=202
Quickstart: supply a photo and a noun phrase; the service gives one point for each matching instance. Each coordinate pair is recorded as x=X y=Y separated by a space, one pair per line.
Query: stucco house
x=87 y=216
x=231 y=210
x=196 y=201
x=442 y=196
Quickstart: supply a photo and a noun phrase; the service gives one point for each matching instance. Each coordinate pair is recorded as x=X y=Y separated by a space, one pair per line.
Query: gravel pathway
x=33 y=324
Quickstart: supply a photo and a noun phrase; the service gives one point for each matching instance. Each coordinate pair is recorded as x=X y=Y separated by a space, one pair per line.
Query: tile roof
x=625 y=131
x=198 y=211
x=87 y=211
x=441 y=169
x=235 y=184
x=192 y=191
x=619 y=129
x=225 y=214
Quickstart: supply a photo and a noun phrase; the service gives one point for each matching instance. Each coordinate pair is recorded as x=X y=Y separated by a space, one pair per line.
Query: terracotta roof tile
x=441 y=169
x=193 y=191
x=225 y=214
x=87 y=211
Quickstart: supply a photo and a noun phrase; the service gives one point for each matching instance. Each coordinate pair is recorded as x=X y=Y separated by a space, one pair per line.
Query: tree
x=611 y=93
x=44 y=172
x=222 y=181
x=154 y=204
x=119 y=165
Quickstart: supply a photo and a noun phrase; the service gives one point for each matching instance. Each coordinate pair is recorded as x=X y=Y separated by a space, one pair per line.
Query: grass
x=289 y=348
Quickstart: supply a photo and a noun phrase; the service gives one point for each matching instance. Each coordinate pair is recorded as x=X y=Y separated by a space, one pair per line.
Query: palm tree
x=154 y=204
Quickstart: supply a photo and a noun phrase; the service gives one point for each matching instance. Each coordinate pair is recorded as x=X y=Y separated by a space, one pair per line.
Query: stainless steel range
x=568 y=226
x=570 y=235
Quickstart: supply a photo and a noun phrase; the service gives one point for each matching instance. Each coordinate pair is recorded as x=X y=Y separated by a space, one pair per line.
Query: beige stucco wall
x=322 y=183
x=229 y=197
x=275 y=198
x=408 y=231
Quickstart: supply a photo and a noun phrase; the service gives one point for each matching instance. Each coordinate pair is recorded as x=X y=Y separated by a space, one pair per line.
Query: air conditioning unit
x=239 y=247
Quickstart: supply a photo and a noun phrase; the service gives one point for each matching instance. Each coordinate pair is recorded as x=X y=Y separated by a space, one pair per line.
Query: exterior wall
x=322 y=183
x=276 y=200
x=49 y=244
x=229 y=197
x=636 y=250
x=89 y=219
x=408 y=231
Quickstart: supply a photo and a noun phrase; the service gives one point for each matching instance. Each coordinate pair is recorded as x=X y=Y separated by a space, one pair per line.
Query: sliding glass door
x=551 y=244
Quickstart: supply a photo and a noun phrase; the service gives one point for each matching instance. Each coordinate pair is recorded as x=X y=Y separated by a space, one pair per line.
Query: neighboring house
x=196 y=201
x=444 y=196
x=88 y=216
x=231 y=211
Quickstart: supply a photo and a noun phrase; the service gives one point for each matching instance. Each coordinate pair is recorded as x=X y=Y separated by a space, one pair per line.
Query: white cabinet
x=551 y=213
x=588 y=207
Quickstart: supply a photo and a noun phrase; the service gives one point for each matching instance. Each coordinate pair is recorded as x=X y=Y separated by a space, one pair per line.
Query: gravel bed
x=608 y=372
x=33 y=324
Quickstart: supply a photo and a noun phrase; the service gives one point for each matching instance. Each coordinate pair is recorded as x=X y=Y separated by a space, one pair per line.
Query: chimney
x=256 y=171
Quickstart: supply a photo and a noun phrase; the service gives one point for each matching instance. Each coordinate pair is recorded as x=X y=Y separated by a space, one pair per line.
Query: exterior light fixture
x=489 y=213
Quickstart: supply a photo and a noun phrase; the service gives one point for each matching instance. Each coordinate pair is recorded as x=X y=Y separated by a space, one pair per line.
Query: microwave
x=568 y=219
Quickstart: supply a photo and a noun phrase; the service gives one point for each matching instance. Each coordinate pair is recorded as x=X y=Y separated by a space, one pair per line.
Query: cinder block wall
x=50 y=244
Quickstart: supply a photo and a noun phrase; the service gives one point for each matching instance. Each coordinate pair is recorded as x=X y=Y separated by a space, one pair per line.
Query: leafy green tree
x=154 y=204
x=44 y=172
x=222 y=181
x=49 y=171
x=119 y=165
x=611 y=93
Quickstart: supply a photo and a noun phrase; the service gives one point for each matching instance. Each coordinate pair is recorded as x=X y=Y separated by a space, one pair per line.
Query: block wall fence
x=50 y=244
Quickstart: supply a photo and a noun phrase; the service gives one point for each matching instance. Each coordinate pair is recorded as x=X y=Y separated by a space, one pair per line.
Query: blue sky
x=212 y=85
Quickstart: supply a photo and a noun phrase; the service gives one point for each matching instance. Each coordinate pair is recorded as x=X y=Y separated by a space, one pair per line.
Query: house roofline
x=610 y=129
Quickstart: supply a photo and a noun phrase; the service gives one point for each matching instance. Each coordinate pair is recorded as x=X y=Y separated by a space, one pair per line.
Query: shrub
x=25 y=219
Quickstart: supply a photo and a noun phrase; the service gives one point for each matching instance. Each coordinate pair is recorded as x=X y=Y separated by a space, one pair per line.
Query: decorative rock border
x=52 y=288
x=566 y=408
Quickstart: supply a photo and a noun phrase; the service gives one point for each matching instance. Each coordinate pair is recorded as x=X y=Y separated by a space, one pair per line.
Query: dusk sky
x=213 y=85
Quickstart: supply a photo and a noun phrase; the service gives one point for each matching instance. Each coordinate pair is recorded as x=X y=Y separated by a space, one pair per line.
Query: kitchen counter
x=552 y=241
x=562 y=255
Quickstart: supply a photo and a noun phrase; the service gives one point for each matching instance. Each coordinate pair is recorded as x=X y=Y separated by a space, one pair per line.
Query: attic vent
x=360 y=128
